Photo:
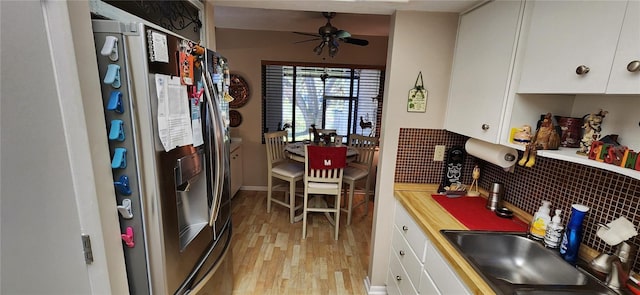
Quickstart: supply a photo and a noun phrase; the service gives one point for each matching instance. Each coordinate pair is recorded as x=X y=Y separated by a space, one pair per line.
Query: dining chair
x=324 y=167
x=280 y=167
x=358 y=171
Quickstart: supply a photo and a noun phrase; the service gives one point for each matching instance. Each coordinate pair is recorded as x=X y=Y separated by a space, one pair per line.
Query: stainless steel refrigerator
x=166 y=121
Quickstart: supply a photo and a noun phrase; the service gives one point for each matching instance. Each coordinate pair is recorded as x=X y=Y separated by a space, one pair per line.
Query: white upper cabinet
x=625 y=73
x=482 y=69
x=570 y=46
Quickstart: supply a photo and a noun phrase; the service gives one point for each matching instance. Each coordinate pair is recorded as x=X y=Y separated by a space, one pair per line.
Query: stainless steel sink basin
x=513 y=264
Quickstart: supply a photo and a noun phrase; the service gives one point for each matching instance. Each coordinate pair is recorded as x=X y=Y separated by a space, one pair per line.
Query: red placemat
x=471 y=212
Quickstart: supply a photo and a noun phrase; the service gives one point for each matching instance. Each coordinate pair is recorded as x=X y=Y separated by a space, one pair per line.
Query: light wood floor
x=270 y=257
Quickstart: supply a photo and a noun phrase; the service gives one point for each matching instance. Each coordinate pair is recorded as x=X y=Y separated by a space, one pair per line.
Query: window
x=345 y=98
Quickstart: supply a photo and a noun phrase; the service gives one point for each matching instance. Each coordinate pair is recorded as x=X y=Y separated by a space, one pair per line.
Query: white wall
x=48 y=191
x=418 y=41
x=89 y=79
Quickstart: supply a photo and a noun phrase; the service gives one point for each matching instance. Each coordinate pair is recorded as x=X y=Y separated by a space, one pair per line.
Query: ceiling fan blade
x=309 y=40
x=307 y=34
x=342 y=34
x=355 y=41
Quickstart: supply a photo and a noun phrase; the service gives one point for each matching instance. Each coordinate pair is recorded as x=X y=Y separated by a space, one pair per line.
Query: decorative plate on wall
x=235 y=118
x=239 y=90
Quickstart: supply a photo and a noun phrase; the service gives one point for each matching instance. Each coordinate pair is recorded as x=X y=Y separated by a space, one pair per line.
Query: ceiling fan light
x=333 y=50
x=318 y=49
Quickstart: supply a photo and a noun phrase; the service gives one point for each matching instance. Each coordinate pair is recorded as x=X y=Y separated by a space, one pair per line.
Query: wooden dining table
x=297 y=153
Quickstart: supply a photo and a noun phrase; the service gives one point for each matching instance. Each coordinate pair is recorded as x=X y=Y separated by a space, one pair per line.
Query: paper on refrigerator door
x=174 y=118
x=158 y=47
x=196 y=123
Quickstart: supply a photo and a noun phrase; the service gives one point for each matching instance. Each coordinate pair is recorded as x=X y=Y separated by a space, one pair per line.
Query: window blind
x=345 y=98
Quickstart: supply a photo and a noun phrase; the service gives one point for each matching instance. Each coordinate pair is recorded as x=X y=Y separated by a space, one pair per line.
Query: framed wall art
x=239 y=90
x=417 y=101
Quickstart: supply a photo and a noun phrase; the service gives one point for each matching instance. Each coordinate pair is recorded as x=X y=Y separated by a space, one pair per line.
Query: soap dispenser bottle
x=540 y=221
x=554 y=231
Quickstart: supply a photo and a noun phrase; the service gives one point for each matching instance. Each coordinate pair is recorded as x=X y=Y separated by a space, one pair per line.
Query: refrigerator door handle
x=219 y=167
x=222 y=163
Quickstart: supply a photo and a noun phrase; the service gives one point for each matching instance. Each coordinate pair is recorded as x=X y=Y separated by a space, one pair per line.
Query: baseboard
x=374 y=290
x=253 y=188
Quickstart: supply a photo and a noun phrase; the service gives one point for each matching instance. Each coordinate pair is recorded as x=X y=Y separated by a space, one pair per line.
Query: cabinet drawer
x=427 y=286
x=398 y=276
x=392 y=287
x=410 y=231
x=441 y=273
x=412 y=265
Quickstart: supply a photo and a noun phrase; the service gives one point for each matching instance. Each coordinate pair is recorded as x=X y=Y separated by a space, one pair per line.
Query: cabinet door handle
x=634 y=66
x=398 y=278
x=401 y=252
x=405 y=228
x=582 y=70
x=485 y=127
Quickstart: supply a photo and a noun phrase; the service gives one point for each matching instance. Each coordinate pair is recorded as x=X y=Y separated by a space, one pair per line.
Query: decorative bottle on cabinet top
x=573 y=235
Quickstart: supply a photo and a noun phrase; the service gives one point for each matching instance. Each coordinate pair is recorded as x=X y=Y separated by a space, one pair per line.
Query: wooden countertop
x=431 y=217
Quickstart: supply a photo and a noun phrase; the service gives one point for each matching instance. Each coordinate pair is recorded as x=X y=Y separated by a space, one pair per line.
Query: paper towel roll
x=500 y=155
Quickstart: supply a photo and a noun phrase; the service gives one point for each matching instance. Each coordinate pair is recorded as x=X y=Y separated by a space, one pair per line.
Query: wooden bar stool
x=324 y=167
x=280 y=167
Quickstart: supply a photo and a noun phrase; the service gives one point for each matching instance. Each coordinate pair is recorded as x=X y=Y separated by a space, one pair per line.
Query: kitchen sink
x=511 y=263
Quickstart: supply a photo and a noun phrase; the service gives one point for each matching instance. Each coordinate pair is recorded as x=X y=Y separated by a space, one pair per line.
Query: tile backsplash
x=608 y=195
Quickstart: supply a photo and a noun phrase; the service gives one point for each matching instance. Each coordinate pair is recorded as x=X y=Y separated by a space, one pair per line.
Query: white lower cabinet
x=411 y=263
x=399 y=279
x=427 y=286
x=442 y=275
x=392 y=286
x=415 y=265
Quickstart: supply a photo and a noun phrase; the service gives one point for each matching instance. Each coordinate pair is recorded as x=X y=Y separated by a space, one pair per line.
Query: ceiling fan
x=330 y=37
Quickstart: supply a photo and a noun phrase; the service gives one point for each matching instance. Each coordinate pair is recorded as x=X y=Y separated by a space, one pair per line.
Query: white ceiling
x=359 y=17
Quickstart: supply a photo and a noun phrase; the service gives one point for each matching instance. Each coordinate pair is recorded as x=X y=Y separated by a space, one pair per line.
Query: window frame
x=352 y=119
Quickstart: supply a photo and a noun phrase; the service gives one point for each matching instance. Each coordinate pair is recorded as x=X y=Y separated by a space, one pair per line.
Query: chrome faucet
x=620 y=265
x=616 y=266
x=618 y=276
